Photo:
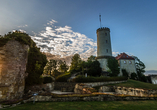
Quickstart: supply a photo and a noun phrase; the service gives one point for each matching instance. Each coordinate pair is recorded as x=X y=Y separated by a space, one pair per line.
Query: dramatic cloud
x=63 y=41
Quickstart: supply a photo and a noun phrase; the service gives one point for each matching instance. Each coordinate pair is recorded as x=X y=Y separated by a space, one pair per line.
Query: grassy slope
x=137 y=84
x=107 y=105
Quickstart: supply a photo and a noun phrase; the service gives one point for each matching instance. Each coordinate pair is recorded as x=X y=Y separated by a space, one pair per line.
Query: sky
x=66 y=27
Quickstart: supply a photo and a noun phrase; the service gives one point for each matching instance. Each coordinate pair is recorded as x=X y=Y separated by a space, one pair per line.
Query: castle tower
x=104 y=49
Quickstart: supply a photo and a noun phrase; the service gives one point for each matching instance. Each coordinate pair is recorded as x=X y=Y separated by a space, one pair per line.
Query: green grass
x=137 y=84
x=106 y=105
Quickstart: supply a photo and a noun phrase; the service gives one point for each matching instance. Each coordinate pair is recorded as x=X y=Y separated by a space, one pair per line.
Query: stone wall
x=64 y=86
x=82 y=87
x=90 y=98
x=13 y=60
x=128 y=91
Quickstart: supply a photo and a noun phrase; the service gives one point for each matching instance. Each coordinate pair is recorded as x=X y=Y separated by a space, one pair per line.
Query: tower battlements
x=103 y=28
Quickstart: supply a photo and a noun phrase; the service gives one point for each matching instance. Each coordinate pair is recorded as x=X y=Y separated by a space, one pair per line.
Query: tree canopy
x=113 y=66
x=140 y=68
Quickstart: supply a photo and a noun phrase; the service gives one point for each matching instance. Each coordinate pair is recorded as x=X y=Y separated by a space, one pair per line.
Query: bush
x=97 y=79
x=143 y=78
x=47 y=80
x=63 y=77
x=133 y=76
x=125 y=73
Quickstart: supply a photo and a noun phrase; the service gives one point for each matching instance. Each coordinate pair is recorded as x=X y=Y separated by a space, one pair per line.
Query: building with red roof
x=126 y=62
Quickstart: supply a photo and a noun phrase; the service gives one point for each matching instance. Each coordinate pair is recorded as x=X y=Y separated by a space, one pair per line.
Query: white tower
x=104 y=49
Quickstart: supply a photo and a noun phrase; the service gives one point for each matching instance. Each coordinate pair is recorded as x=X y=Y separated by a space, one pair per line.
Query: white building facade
x=126 y=62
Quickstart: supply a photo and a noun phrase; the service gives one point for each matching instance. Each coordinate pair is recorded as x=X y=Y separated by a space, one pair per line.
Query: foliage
x=35 y=66
x=143 y=78
x=140 y=66
x=113 y=65
x=36 y=60
x=94 y=68
x=133 y=76
x=47 y=80
x=91 y=58
x=125 y=73
x=76 y=60
x=97 y=79
x=55 y=67
x=63 y=77
x=63 y=66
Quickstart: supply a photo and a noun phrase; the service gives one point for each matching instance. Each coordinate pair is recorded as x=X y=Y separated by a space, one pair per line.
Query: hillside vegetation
x=136 y=84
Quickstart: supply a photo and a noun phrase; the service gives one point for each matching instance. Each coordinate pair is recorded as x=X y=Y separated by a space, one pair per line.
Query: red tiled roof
x=124 y=56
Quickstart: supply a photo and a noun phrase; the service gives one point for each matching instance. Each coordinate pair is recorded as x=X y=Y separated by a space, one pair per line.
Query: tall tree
x=63 y=67
x=113 y=65
x=140 y=66
x=75 y=63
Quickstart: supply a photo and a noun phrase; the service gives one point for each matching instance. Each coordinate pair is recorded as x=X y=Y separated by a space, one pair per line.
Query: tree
x=76 y=60
x=125 y=73
x=63 y=66
x=50 y=67
x=133 y=76
x=113 y=65
x=94 y=68
x=91 y=58
x=140 y=66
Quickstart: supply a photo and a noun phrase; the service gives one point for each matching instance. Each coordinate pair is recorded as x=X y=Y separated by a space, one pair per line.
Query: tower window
x=106 y=41
x=107 y=50
x=105 y=34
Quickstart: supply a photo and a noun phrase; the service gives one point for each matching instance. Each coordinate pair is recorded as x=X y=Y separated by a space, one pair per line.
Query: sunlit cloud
x=63 y=41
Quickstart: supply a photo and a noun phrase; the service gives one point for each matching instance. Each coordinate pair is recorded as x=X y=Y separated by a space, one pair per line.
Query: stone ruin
x=13 y=60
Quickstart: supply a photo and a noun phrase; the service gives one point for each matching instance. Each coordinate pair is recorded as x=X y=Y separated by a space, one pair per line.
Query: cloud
x=51 y=22
x=63 y=41
x=23 y=26
x=115 y=53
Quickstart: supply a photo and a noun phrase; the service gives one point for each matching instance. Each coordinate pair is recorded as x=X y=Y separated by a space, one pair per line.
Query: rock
x=13 y=60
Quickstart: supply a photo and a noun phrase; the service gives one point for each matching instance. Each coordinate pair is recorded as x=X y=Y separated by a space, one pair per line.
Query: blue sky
x=66 y=27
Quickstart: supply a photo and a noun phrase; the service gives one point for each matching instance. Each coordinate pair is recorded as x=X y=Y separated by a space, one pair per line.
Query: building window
x=106 y=41
x=107 y=50
x=105 y=34
x=130 y=62
x=124 y=62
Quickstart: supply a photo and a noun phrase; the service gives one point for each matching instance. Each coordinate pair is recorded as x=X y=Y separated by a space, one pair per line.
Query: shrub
x=47 y=80
x=125 y=73
x=143 y=78
x=97 y=79
x=133 y=76
x=63 y=77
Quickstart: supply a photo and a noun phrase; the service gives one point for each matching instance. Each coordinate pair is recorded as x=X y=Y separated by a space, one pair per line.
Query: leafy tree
x=133 y=76
x=125 y=73
x=140 y=66
x=76 y=60
x=91 y=58
x=63 y=66
x=113 y=65
x=94 y=68
x=50 y=66
x=53 y=66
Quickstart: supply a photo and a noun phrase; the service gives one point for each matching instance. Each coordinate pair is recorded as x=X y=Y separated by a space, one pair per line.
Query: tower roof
x=124 y=56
